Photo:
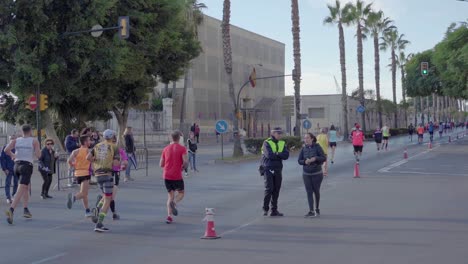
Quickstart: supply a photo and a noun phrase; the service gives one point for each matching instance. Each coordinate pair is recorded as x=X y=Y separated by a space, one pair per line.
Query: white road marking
x=401 y=162
x=49 y=258
x=430 y=173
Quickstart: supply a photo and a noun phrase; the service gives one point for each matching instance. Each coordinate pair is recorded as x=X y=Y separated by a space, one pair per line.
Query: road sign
x=96 y=31
x=361 y=109
x=32 y=101
x=306 y=124
x=221 y=126
x=288 y=106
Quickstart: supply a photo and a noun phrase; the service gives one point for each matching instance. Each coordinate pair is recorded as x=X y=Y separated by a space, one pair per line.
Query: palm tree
x=402 y=59
x=336 y=17
x=377 y=24
x=227 y=53
x=297 y=61
x=393 y=41
x=194 y=16
x=357 y=15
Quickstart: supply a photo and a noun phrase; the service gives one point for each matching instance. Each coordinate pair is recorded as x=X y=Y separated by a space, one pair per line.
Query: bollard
x=210 y=232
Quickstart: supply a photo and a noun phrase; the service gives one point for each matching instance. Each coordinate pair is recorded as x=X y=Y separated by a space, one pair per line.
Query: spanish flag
x=253 y=78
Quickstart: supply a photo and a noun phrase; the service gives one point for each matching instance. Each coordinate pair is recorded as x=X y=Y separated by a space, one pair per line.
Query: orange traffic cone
x=405 y=154
x=356 y=170
x=210 y=232
x=430 y=145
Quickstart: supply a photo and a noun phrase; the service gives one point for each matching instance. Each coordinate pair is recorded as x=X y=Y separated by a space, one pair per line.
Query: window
x=317 y=112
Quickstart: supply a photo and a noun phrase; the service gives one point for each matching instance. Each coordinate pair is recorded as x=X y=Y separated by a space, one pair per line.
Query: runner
x=27 y=148
x=322 y=140
x=332 y=140
x=431 y=131
x=8 y=166
x=80 y=165
x=104 y=156
x=378 y=138
x=386 y=136
x=441 y=129
x=420 y=134
x=116 y=169
x=173 y=160
x=411 y=131
x=357 y=137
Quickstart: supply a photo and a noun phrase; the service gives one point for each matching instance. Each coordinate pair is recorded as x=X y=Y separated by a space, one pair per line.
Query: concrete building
x=207 y=95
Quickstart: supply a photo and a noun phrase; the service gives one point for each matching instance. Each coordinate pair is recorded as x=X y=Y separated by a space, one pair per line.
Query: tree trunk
x=49 y=128
x=421 y=105
x=227 y=54
x=297 y=62
x=395 y=114
x=174 y=88
x=344 y=95
x=403 y=93
x=377 y=77
x=166 y=90
x=187 y=79
x=428 y=109
x=434 y=113
x=361 y=74
x=122 y=117
x=415 y=104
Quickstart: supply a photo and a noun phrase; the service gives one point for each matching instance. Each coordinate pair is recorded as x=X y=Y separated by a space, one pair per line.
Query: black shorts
x=385 y=138
x=81 y=179
x=23 y=170
x=174 y=185
x=431 y=133
x=378 y=141
x=358 y=148
x=420 y=135
x=332 y=144
x=116 y=175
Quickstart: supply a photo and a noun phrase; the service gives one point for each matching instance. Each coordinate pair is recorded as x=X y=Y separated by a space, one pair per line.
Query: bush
x=254 y=145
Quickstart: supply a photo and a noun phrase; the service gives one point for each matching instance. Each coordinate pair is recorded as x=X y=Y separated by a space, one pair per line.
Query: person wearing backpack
x=311 y=158
x=192 y=150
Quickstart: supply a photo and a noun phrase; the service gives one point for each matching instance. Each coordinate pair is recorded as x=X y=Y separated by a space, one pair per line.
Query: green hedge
x=254 y=145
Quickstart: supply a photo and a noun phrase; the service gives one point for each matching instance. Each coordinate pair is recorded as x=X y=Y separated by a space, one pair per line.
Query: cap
x=277 y=130
x=108 y=134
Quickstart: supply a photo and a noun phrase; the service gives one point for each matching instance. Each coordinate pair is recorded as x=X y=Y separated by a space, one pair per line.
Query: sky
x=424 y=23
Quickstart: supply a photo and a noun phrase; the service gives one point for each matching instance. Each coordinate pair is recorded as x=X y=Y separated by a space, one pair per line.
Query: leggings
x=47 y=182
x=312 y=185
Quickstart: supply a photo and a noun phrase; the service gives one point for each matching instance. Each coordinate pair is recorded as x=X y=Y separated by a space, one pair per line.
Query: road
x=400 y=211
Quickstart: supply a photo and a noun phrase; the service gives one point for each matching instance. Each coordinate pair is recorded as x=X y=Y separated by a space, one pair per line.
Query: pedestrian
x=8 y=168
x=332 y=140
x=95 y=139
x=81 y=166
x=47 y=167
x=26 y=149
x=441 y=129
x=130 y=150
x=87 y=131
x=104 y=156
x=386 y=136
x=378 y=138
x=192 y=150
x=274 y=151
x=217 y=137
x=357 y=137
x=411 y=131
x=420 y=131
x=311 y=159
x=197 y=132
x=173 y=160
x=71 y=143
x=431 y=131
x=322 y=140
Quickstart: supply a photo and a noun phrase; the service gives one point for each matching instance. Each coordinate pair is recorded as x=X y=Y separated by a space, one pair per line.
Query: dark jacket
x=71 y=143
x=309 y=151
x=192 y=146
x=129 y=144
x=6 y=161
x=94 y=142
x=46 y=159
x=273 y=160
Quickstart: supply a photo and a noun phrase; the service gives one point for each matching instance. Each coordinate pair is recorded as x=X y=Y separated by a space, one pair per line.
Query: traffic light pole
x=38 y=114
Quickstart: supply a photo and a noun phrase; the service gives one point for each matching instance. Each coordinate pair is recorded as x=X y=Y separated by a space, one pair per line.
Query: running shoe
x=88 y=213
x=70 y=201
x=265 y=213
x=332 y=162
x=98 y=199
x=317 y=212
x=310 y=214
x=26 y=213
x=169 y=220
x=95 y=215
x=115 y=216
x=186 y=174
x=100 y=228
x=9 y=201
x=173 y=208
x=276 y=213
x=9 y=215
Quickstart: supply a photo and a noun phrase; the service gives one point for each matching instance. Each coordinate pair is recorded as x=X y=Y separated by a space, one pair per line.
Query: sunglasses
x=50 y=144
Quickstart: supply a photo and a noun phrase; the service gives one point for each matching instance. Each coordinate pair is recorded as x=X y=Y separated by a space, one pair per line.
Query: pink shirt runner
x=358 y=137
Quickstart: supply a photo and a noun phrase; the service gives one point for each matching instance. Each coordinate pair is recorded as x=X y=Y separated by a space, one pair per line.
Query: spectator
x=197 y=132
x=95 y=139
x=71 y=141
x=130 y=150
x=192 y=150
x=47 y=167
x=8 y=168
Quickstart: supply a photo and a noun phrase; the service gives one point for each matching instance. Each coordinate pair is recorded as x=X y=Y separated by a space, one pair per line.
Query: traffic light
x=424 y=68
x=44 y=103
x=124 y=27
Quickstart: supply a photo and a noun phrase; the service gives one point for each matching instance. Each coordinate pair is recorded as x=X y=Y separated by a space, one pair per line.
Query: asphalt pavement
x=400 y=211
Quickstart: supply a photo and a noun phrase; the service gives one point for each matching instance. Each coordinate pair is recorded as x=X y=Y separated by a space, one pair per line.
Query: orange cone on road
x=430 y=145
x=356 y=170
x=210 y=232
x=405 y=154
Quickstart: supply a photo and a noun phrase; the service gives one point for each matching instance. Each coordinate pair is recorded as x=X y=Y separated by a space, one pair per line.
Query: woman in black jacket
x=47 y=167
x=311 y=158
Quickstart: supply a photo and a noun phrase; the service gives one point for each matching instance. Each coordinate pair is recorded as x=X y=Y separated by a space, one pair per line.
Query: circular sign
x=307 y=124
x=221 y=126
x=32 y=102
x=96 y=33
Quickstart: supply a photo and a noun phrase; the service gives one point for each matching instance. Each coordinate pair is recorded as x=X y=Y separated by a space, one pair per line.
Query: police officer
x=274 y=151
